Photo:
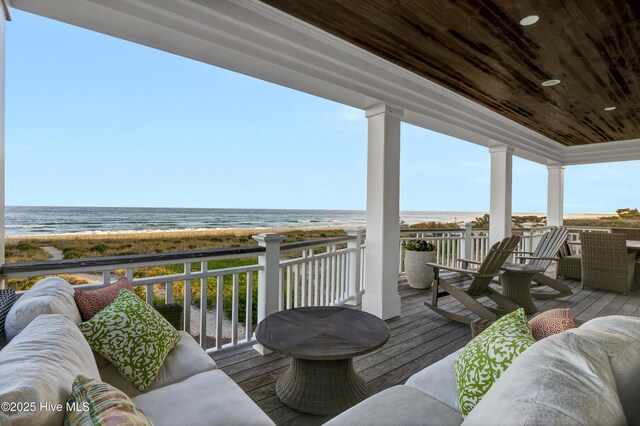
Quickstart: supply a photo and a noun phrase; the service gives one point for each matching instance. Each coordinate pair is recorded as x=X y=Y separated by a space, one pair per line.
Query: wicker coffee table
x=516 y=284
x=322 y=342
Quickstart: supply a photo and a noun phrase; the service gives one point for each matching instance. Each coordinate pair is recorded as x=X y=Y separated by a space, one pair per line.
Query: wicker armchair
x=605 y=262
x=569 y=264
x=629 y=233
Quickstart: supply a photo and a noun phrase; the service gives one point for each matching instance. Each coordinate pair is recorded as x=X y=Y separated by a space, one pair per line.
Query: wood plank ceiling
x=478 y=49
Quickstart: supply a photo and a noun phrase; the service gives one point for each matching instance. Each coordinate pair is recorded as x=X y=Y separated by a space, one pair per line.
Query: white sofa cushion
x=186 y=359
x=206 y=399
x=619 y=337
x=438 y=381
x=399 y=405
x=39 y=366
x=51 y=295
x=563 y=379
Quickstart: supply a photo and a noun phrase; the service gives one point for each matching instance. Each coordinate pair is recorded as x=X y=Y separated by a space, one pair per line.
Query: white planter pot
x=419 y=275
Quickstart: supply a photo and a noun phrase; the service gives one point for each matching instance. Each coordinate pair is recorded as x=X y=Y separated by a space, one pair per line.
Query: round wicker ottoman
x=322 y=342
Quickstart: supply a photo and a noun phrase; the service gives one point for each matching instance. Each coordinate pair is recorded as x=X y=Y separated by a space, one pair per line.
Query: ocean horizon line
x=53 y=220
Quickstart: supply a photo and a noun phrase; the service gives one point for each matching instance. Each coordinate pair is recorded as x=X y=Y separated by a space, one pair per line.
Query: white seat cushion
x=619 y=337
x=51 y=295
x=186 y=359
x=438 y=381
x=399 y=405
x=206 y=399
x=39 y=366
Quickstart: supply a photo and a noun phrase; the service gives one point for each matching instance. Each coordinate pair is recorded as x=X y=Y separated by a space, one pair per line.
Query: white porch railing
x=451 y=244
x=313 y=273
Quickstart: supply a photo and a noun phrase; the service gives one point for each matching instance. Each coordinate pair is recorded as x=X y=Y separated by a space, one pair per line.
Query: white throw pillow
x=38 y=367
x=51 y=295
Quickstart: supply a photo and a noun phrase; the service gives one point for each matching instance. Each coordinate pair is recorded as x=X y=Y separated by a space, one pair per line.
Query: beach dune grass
x=29 y=249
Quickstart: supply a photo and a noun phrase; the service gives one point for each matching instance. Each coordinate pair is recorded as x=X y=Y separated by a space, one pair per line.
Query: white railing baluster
x=296 y=281
x=168 y=292
x=187 y=297
x=316 y=267
x=289 y=291
x=303 y=281
x=149 y=294
x=281 y=299
x=219 y=310
x=334 y=275
x=323 y=298
x=248 y=324
x=310 y=282
x=234 y=309
x=203 y=306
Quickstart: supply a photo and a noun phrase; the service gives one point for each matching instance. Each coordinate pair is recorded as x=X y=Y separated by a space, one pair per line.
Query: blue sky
x=97 y=121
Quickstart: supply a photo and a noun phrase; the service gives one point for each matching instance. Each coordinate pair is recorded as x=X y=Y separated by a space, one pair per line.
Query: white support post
x=555 y=195
x=500 y=207
x=268 y=278
x=466 y=243
x=3 y=47
x=383 y=212
x=355 y=260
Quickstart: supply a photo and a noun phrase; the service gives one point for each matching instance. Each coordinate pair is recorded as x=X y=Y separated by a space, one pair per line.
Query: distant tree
x=518 y=221
x=632 y=214
x=481 y=222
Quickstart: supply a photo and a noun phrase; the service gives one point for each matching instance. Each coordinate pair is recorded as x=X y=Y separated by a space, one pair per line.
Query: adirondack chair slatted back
x=549 y=246
x=498 y=254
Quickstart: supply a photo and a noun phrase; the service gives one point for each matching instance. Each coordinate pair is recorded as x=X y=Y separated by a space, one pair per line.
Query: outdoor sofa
x=584 y=376
x=40 y=363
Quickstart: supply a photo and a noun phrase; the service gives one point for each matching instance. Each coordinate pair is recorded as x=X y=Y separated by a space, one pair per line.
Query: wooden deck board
x=419 y=337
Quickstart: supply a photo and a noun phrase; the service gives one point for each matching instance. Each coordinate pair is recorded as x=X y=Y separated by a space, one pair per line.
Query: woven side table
x=516 y=284
x=172 y=312
x=479 y=325
x=322 y=342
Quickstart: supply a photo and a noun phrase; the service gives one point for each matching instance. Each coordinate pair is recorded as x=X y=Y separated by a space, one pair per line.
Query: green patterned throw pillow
x=95 y=403
x=487 y=356
x=133 y=336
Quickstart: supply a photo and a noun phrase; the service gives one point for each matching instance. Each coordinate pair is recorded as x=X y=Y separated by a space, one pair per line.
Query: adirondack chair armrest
x=538 y=258
x=471 y=272
x=475 y=262
x=522 y=252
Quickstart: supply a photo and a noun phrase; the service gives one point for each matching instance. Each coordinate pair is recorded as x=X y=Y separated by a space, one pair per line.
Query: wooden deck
x=419 y=337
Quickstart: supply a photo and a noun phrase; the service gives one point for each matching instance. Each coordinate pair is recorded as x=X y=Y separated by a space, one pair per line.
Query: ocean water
x=23 y=220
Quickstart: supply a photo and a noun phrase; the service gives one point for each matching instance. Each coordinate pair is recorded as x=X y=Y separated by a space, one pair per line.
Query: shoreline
x=173 y=233
x=218 y=232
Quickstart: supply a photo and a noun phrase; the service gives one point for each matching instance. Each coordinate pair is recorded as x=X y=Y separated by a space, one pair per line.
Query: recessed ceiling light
x=611 y=108
x=550 y=82
x=529 y=20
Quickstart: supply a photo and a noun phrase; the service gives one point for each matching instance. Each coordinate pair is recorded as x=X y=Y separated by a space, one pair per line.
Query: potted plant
x=416 y=256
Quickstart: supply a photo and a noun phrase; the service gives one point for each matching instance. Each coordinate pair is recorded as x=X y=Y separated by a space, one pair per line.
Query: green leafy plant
x=419 y=245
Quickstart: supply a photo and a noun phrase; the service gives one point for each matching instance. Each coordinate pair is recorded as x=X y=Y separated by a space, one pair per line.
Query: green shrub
x=100 y=248
x=25 y=246
x=418 y=245
x=242 y=305
x=69 y=253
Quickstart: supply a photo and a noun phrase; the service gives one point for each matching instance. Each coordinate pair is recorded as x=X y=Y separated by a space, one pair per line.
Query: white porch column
x=3 y=21
x=555 y=195
x=269 y=291
x=500 y=207
x=383 y=212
